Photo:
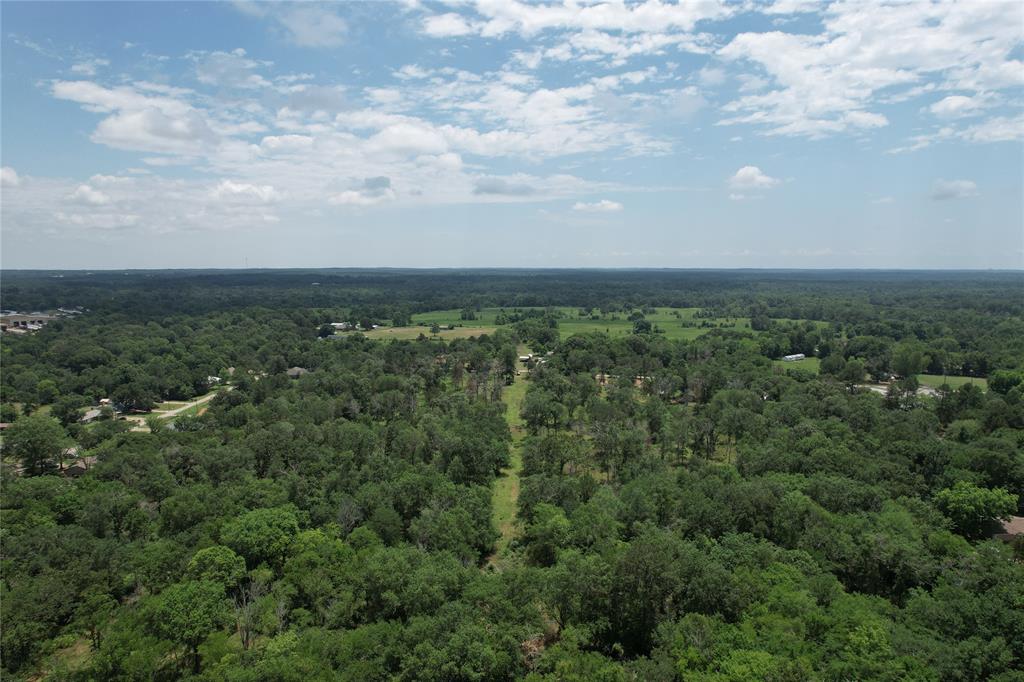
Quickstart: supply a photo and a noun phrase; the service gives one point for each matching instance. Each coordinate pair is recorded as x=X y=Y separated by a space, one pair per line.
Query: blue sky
x=499 y=133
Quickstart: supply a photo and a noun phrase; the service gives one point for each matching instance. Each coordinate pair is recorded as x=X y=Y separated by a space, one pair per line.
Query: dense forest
x=519 y=504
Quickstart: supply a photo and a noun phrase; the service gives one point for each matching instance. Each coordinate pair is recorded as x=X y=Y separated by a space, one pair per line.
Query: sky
x=498 y=133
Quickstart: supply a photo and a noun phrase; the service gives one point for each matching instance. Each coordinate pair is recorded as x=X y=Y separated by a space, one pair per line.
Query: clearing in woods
x=506 y=487
x=669 y=321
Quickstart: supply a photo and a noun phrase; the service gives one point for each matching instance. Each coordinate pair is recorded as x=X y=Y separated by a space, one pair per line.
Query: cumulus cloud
x=241 y=191
x=9 y=177
x=529 y=19
x=140 y=121
x=614 y=31
x=752 y=178
x=944 y=190
x=602 y=206
x=446 y=25
x=996 y=129
x=437 y=132
x=957 y=106
x=89 y=195
x=827 y=83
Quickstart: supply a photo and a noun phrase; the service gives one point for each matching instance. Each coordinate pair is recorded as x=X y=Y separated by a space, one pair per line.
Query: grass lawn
x=807 y=364
x=936 y=380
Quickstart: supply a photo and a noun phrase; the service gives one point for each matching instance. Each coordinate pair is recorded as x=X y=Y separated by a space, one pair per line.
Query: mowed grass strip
x=506 y=488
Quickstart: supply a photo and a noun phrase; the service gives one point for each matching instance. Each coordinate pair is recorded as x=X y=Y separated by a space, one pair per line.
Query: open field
x=936 y=380
x=929 y=380
x=668 y=320
x=807 y=364
x=618 y=325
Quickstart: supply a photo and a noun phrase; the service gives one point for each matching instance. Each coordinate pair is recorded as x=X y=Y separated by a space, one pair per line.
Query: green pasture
x=668 y=320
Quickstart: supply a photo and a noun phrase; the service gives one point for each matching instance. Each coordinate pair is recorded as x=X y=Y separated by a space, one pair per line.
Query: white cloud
x=228 y=190
x=827 y=83
x=957 y=106
x=614 y=30
x=993 y=130
x=792 y=7
x=943 y=190
x=89 y=67
x=752 y=178
x=9 y=177
x=446 y=25
x=89 y=195
x=602 y=206
x=528 y=19
x=139 y=121
x=711 y=76
x=997 y=129
x=880 y=201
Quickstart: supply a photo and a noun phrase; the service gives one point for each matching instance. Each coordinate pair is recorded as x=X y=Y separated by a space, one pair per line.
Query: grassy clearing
x=807 y=364
x=407 y=333
x=668 y=320
x=936 y=380
x=929 y=380
x=506 y=487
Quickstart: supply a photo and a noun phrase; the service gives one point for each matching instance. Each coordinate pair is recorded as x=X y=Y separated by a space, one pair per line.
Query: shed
x=296 y=372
